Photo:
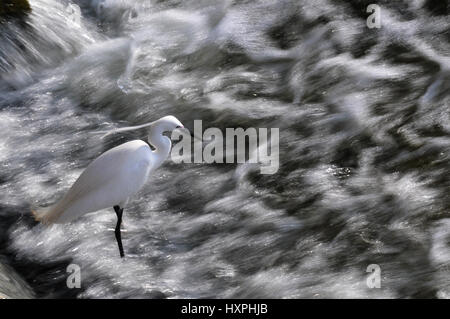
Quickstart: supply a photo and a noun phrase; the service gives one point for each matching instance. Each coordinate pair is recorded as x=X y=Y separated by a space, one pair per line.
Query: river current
x=363 y=116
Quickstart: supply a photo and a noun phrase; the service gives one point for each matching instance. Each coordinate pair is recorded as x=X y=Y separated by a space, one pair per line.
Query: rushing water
x=364 y=146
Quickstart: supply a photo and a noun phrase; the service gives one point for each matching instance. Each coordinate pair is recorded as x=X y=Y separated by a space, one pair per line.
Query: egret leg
x=119 y=212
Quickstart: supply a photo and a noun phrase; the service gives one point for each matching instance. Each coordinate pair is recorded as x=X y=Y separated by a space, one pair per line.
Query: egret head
x=156 y=137
x=166 y=124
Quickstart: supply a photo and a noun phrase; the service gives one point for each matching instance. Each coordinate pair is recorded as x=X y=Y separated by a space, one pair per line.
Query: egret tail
x=51 y=215
x=43 y=215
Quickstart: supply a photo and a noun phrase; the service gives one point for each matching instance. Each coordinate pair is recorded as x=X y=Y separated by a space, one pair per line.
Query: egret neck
x=162 y=145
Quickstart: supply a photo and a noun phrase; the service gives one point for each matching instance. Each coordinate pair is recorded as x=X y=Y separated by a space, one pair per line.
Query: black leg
x=119 y=212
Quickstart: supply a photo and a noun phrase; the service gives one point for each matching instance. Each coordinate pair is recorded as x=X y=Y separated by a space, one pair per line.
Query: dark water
x=364 y=146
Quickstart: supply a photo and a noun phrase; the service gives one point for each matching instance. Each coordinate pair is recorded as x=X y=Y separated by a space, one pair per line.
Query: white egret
x=114 y=176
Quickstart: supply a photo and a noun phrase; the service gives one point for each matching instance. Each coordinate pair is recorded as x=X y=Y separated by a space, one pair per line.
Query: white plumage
x=108 y=181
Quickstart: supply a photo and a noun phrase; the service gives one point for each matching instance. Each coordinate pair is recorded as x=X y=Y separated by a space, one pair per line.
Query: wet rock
x=14 y=8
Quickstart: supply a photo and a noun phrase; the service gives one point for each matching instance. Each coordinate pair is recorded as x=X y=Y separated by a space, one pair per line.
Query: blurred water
x=364 y=140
